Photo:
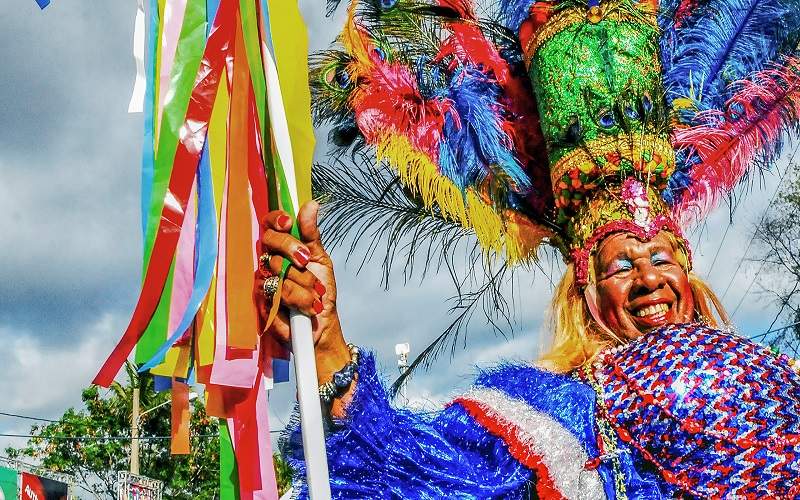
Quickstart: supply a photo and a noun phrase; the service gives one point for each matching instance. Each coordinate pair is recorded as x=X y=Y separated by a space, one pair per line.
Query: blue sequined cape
x=520 y=432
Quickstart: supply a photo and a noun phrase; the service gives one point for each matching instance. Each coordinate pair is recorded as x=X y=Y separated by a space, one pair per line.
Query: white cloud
x=42 y=381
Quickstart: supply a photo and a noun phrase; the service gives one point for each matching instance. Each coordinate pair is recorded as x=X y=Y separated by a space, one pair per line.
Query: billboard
x=40 y=488
x=8 y=483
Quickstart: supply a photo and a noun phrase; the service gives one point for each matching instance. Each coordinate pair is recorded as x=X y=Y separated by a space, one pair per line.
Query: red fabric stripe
x=187 y=156
x=509 y=433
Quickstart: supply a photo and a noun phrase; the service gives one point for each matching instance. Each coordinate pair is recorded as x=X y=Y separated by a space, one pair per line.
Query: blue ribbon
x=43 y=3
x=211 y=12
x=148 y=147
x=206 y=254
x=267 y=35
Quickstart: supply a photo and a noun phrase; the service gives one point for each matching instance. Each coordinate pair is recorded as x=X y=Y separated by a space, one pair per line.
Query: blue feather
x=515 y=12
x=474 y=143
x=724 y=41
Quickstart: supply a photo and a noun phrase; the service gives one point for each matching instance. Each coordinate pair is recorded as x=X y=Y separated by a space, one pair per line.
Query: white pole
x=305 y=370
x=319 y=487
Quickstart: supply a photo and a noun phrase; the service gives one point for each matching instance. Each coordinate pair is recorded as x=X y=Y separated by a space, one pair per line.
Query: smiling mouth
x=654 y=310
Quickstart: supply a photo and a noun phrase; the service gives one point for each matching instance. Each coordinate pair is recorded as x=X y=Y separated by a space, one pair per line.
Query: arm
x=374 y=449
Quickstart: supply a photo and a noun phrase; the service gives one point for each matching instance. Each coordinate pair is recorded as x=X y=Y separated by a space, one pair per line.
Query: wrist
x=332 y=353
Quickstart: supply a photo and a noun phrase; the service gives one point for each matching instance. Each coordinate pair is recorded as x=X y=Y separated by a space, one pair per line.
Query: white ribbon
x=137 y=98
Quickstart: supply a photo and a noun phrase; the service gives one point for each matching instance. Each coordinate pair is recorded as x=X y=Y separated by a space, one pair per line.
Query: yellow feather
x=509 y=234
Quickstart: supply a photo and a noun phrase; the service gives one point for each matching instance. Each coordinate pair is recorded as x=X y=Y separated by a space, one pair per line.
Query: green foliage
x=283 y=474
x=94 y=461
x=778 y=236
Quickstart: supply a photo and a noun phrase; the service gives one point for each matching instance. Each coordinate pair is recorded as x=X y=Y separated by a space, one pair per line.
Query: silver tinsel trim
x=559 y=450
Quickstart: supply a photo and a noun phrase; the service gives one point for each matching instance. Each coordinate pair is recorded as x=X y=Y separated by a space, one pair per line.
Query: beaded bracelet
x=341 y=379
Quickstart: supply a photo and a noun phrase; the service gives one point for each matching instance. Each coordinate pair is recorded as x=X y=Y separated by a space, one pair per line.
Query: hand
x=309 y=286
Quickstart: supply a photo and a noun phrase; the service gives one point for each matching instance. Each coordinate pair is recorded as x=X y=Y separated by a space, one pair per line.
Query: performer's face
x=641 y=285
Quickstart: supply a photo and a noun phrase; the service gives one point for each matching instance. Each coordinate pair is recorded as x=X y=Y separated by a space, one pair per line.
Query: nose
x=648 y=278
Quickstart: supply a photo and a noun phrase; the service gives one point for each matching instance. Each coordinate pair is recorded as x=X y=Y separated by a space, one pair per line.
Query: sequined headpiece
x=566 y=120
x=596 y=73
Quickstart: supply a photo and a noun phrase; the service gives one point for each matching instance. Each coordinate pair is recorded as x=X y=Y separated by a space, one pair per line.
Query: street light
x=136 y=418
x=402 y=351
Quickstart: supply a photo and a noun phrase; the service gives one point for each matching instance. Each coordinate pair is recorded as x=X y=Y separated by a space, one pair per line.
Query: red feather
x=729 y=143
x=388 y=100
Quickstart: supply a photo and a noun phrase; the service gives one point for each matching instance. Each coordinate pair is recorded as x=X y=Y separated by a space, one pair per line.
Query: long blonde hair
x=577 y=337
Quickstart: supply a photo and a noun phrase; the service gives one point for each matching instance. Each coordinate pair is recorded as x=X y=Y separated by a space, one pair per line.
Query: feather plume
x=515 y=12
x=727 y=144
x=721 y=42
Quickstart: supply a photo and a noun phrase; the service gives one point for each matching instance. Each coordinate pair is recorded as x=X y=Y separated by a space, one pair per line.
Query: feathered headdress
x=563 y=121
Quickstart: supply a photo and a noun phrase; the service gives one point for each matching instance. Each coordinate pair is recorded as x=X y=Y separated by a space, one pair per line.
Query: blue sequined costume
x=522 y=432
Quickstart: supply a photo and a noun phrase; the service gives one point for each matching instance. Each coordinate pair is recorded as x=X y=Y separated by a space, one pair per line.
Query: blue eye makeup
x=618 y=266
x=660 y=258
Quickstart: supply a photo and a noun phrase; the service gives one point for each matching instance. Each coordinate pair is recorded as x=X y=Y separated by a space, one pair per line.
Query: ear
x=590 y=296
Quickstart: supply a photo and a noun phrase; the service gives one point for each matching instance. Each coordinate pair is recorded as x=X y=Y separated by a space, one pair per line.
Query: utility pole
x=135 y=433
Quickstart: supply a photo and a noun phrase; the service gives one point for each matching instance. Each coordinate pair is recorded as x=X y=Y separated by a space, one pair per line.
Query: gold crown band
x=613 y=11
x=596 y=157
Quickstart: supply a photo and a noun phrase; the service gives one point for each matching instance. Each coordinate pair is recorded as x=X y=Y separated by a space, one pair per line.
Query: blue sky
x=70 y=243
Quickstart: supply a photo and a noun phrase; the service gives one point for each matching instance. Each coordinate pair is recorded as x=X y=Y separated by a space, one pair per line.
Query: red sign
x=40 y=488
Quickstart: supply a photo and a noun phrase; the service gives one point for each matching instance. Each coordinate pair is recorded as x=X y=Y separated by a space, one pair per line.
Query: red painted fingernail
x=317 y=306
x=319 y=287
x=283 y=220
x=301 y=255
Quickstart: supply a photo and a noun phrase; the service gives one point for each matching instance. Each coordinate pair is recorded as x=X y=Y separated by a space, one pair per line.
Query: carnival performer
x=646 y=115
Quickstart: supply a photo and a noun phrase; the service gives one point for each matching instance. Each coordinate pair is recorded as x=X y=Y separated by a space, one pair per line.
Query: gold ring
x=270 y=286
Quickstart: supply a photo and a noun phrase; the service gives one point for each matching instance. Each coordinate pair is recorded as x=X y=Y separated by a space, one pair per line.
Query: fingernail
x=283 y=220
x=319 y=287
x=317 y=306
x=301 y=255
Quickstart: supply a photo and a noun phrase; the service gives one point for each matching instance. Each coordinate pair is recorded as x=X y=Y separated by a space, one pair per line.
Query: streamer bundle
x=217 y=157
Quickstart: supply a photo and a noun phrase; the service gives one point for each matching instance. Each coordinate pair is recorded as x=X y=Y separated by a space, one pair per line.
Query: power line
x=26 y=417
x=719 y=247
x=797 y=323
x=752 y=281
x=100 y=438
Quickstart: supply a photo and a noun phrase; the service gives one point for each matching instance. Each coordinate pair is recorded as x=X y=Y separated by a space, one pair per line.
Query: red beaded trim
x=580 y=256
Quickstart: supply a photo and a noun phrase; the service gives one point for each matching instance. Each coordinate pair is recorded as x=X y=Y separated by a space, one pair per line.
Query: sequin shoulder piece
x=546 y=421
x=717 y=414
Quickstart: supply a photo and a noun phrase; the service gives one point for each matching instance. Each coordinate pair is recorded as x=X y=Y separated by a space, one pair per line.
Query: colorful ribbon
x=219 y=153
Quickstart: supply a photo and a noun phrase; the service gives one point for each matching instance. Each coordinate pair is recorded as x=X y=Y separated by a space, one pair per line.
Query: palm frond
x=364 y=204
x=487 y=297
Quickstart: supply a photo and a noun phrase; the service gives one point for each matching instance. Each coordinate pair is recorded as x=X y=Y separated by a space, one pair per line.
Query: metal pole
x=135 y=433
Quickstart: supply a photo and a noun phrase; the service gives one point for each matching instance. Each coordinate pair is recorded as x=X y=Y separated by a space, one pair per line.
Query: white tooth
x=650 y=310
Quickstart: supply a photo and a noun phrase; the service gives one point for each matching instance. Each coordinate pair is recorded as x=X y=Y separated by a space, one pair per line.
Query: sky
x=70 y=241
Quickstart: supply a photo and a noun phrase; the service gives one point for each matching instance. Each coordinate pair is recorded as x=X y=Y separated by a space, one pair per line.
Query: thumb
x=307 y=222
